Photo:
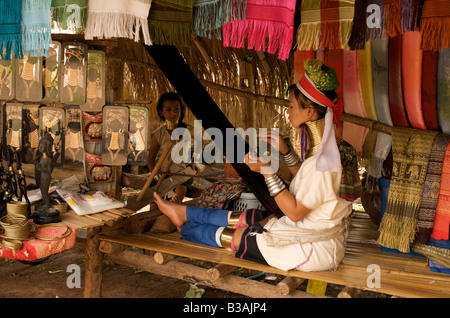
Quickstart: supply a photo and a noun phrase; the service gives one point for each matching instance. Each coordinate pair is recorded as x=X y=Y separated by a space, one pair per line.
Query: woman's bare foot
x=176 y=212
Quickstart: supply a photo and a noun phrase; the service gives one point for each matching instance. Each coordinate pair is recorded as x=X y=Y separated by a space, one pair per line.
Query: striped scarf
x=325 y=24
x=36 y=27
x=170 y=22
x=435 y=24
x=209 y=16
x=70 y=14
x=442 y=216
x=268 y=26
x=118 y=19
x=411 y=150
x=430 y=195
x=10 y=36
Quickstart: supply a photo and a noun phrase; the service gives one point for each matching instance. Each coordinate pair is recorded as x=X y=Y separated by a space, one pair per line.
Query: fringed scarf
x=170 y=22
x=442 y=216
x=325 y=24
x=435 y=25
x=118 y=19
x=36 y=27
x=70 y=14
x=10 y=36
x=209 y=16
x=431 y=189
x=411 y=150
x=411 y=11
x=268 y=26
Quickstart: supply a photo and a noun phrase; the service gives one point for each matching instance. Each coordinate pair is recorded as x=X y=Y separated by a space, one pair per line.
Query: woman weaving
x=312 y=234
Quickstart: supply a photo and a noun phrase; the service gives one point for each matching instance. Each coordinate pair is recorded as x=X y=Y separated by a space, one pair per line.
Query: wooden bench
x=400 y=275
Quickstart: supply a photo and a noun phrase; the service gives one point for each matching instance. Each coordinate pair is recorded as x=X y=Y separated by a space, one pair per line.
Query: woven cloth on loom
x=442 y=217
x=411 y=150
x=37 y=248
x=170 y=22
x=209 y=16
x=350 y=188
x=70 y=14
x=10 y=36
x=325 y=24
x=36 y=27
x=268 y=26
x=431 y=189
x=435 y=25
x=117 y=18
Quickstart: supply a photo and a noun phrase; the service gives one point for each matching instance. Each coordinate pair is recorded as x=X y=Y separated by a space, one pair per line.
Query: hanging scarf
x=170 y=22
x=357 y=39
x=209 y=16
x=70 y=14
x=268 y=26
x=392 y=18
x=411 y=150
x=36 y=27
x=10 y=36
x=325 y=24
x=431 y=189
x=118 y=19
x=434 y=25
x=442 y=216
x=411 y=13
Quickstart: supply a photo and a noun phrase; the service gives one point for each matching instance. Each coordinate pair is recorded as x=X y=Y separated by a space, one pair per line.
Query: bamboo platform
x=400 y=275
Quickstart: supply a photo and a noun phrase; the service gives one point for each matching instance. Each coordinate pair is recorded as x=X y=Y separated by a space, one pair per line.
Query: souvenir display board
x=138 y=135
x=95 y=85
x=115 y=132
x=73 y=73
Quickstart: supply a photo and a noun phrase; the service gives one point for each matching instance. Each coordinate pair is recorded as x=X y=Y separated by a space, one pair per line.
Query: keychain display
x=138 y=135
x=74 y=151
x=95 y=86
x=115 y=132
x=92 y=126
x=29 y=79
x=12 y=124
x=30 y=127
x=96 y=171
x=51 y=72
x=52 y=120
x=7 y=79
x=73 y=73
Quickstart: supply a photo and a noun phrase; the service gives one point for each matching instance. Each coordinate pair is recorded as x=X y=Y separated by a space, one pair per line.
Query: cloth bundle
x=70 y=14
x=411 y=150
x=36 y=27
x=10 y=36
x=170 y=22
x=209 y=16
x=325 y=24
x=268 y=26
x=117 y=18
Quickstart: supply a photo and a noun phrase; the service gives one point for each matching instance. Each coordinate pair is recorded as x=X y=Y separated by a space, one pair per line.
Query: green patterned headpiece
x=324 y=78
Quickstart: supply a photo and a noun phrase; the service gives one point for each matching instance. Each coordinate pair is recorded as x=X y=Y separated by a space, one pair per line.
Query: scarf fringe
x=106 y=25
x=392 y=18
x=37 y=39
x=435 y=33
x=60 y=16
x=173 y=33
x=11 y=44
x=261 y=35
x=308 y=35
x=210 y=17
x=397 y=232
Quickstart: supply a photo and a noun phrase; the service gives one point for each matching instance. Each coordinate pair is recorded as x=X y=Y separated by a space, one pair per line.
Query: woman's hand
x=255 y=164
x=273 y=137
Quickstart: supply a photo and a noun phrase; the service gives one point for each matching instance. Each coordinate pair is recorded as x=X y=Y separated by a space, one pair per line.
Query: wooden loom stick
x=156 y=169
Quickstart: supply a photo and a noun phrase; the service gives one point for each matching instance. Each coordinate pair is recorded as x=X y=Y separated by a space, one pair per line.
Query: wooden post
x=247 y=83
x=289 y=284
x=110 y=247
x=349 y=292
x=219 y=271
x=94 y=264
x=162 y=258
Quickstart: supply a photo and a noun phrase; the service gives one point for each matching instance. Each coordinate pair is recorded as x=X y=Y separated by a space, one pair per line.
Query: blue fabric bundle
x=36 y=27
x=10 y=36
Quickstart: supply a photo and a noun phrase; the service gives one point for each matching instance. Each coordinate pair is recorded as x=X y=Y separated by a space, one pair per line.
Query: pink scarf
x=265 y=19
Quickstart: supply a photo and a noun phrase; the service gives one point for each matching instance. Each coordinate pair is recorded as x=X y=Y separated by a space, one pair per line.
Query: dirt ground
x=49 y=280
